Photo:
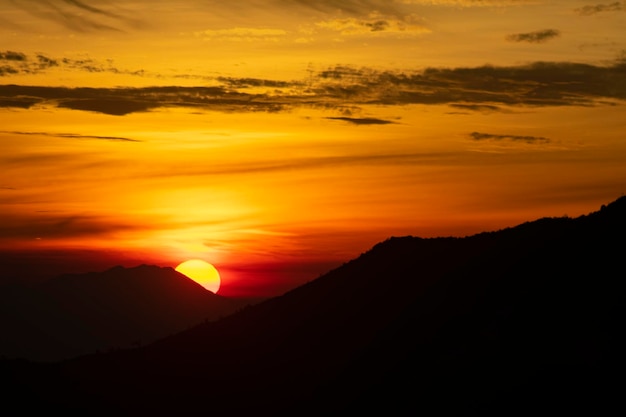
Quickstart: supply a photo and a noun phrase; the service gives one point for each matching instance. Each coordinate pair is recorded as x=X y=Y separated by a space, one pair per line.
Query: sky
x=279 y=139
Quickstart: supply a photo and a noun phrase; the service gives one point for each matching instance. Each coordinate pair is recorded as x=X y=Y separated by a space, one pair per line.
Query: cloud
x=374 y=24
x=253 y=82
x=38 y=158
x=351 y=7
x=362 y=121
x=476 y=107
x=45 y=62
x=386 y=7
x=92 y=9
x=471 y=3
x=243 y=34
x=71 y=136
x=7 y=70
x=20 y=63
x=536 y=84
x=539 y=36
x=45 y=225
x=12 y=63
x=123 y=101
x=12 y=56
x=113 y=106
x=78 y=16
x=599 y=8
x=514 y=138
x=307 y=163
x=342 y=87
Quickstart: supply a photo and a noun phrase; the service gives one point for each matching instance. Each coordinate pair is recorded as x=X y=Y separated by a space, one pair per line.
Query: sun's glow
x=202 y=272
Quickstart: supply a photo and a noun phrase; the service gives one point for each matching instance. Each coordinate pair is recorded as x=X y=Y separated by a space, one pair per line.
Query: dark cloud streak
x=476 y=107
x=539 y=36
x=599 y=8
x=92 y=9
x=297 y=164
x=253 y=82
x=362 y=121
x=49 y=226
x=514 y=138
x=78 y=16
x=12 y=56
x=122 y=101
x=351 y=7
x=19 y=63
x=8 y=70
x=70 y=136
x=111 y=106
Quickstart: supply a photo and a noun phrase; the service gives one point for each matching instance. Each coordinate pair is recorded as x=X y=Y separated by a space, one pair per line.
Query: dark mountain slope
x=79 y=314
x=508 y=322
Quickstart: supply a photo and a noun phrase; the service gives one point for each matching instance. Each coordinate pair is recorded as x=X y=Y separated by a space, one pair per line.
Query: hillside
x=78 y=314
x=505 y=322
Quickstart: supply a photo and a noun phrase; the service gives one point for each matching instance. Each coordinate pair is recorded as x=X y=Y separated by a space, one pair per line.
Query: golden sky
x=276 y=139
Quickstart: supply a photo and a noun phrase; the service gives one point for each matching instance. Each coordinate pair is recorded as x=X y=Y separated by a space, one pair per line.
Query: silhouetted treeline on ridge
x=517 y=321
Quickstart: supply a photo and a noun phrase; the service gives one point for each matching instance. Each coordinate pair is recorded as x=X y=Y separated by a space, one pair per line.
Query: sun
x=202 y=272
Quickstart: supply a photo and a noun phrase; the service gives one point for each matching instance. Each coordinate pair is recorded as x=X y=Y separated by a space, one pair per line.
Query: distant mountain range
x=521 y=321
x=78 y=314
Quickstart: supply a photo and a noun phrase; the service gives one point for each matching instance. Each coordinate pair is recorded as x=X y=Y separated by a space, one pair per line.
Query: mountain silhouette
x=77 y=314
x=517 y=321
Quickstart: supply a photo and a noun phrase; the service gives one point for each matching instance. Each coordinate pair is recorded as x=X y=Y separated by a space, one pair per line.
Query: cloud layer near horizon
x=537 y=84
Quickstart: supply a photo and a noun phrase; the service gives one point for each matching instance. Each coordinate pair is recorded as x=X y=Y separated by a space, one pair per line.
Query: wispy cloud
x=47 y=225
x=471 y=3
x=514 y=138
x=352 y=7
x=539 y=36
x=12 y=63
x=599 y=8
x=362 y=120
x=79 y=16
x=387 y=6
x=476 y=107
x=375 y=24
x=92 y=9
x=70 y=136
x=7 y=70
x=308 y=163
x=254 y=82
x=243 y=34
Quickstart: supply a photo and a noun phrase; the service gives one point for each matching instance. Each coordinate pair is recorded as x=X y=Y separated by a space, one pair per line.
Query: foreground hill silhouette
x=519 y=321
x=77 y=314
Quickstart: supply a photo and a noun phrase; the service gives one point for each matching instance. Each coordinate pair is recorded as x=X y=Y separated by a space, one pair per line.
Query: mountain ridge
x=495 y=323
x=81 y=313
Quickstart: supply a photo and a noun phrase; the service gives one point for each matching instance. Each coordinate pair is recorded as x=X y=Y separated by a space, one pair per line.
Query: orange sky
x=278 y=139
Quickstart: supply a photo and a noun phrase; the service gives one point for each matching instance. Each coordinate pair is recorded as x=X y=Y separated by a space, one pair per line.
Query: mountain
x=77 y=314
x=522 y=320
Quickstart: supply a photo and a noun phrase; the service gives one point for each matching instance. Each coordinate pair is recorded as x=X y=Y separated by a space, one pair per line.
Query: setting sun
x=202 y=272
